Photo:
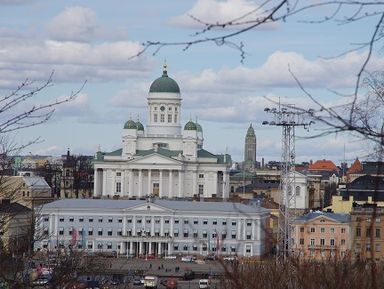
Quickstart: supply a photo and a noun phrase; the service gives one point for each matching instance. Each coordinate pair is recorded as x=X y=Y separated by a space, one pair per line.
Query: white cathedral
x=162 y=160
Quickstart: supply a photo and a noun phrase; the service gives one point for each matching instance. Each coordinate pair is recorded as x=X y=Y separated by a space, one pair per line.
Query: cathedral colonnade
x=169 y=183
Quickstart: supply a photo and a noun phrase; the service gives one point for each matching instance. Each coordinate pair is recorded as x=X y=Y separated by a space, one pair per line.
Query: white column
x=104 y=193
x=194 y=183
x=140 y=248
x=181 y=178
x=122 y=180
x=124 y=226
x=225 y=185
x=95 y=184
x=149 y=247
x=159 y=248
x=149 y=182
x=215 y=190
x=162 y=226
x=131 y=247
x=161 y=184
x=134 y=226
x=170 y=193
x=169 y=248
x=130 y=176
x=140 y=183
x=113 y=181
x=239 y=224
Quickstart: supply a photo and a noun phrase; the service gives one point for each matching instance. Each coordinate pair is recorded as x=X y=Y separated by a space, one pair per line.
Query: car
x=188 y=259
x=198 y=261
x=136 y=282
x=40 y=282
x=210 y=257
x=229 y=258
x=170 y=257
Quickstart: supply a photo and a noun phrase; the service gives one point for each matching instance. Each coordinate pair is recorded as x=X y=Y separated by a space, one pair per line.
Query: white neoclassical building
x=162 y=160
x=153 y=227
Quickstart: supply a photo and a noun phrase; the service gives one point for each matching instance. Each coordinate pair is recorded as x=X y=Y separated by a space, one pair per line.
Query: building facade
x=367 y=227
x=154 y=227
x=321 y=236
x=162 y=160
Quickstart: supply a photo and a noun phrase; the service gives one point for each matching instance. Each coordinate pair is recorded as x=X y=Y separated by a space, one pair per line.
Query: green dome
x=130 y=124
x=139 y=126
x=198 y=127
x=250 y=131
x=164 y=84
x=190 y=125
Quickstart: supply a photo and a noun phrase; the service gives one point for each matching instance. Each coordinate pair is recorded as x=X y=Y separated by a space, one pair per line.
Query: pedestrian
x=150 y=265
x=162 y=266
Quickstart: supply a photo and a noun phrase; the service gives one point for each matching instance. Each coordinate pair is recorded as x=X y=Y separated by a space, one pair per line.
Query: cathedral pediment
x=155 y=159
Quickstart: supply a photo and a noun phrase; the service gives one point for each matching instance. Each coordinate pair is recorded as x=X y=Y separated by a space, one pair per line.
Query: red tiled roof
x=355 y=168
x=323 y=165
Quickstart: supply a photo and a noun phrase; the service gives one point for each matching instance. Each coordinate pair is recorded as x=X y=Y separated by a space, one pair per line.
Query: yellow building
x=345 y=206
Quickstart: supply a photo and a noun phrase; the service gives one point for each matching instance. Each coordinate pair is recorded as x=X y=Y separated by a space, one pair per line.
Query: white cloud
x=74 y=24
x=214 y=11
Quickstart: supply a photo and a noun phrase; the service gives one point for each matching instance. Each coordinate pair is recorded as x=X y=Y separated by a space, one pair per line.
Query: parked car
x=40 y=282
x=204 y=284
x=171 y=283
x=136 y=282
x=188 y=259
x=210 y=257
x=170 y=257
x=229 y=258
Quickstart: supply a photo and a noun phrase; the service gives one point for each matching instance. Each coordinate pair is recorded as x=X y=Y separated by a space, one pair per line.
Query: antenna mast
x=288 y=118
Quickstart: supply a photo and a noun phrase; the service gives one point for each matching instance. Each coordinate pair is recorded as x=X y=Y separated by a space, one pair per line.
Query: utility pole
x=288 y=118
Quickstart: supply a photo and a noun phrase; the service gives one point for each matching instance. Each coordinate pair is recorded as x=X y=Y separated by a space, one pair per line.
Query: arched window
x=298 y=191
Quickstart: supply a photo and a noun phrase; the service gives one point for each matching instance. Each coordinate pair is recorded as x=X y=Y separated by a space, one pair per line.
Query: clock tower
x=164 y=107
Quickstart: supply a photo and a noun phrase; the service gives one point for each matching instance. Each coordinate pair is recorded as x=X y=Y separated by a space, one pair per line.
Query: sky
x=95 y=41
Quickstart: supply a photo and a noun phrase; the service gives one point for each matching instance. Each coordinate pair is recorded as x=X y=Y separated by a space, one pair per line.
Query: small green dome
x=198 y=127
x=164 y=84
x=139 y=126
x=130 y=124
x=250 y=131
x=190 y=125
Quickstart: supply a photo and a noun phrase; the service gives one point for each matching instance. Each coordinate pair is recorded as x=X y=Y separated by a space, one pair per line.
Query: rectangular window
x=332 y=230
x=358 y=232
x=342 y=230
x=61 y=219
x=313 y=230
x=312 y=242
x=81 y=219
x=233 y=223
x=201 y=189
x=332 y=242
x=71 y=219
x=322 y=242
x=46 y=218
x=214 y=222
x=205 y=222
x=61 y=231
x=176 y=221
x=109 y=232
x=169 y=117
x=175 y=117
x=302 y=229
x=195 y=222
x=186 y=222
x=301 y=241
x=155 y=117
x=342 y=242
x=166 y=221
x=201 y=176
x=100 y=219
x=176 y=247
x=368 y=233
x=118 y=174
x=118 y=187
x=110 y=220
x=120 y=220
x=195 y=235
x=322 y=230
x=138 y=221
x=378 y=233
x=205 y=234
x=224 y=223
x=377 y=248
x=90 y=219
x=100 y=232
x=249 y=223
x=162 y=118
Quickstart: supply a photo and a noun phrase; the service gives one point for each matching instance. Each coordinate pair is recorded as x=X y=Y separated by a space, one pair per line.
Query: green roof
x=202 y=153
x=190 y=125
x=130 y=124
x=198 y=126
x=161 y=151
x=114 y=153
x=164 y=84
x=139 y=126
